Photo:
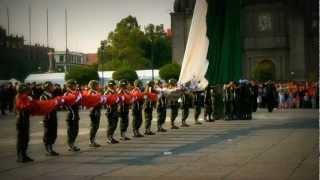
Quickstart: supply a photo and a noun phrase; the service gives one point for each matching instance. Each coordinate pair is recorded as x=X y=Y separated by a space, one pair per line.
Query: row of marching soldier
x=117 y=100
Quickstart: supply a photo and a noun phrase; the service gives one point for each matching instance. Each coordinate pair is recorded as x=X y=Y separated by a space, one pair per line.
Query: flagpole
x=8 y=21
x=47 y=27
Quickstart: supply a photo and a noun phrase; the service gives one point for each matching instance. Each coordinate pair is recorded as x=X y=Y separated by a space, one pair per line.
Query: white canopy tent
x=58 y=78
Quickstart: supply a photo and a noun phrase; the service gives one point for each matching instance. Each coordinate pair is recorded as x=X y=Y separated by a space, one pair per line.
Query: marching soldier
x=72 y=116
x=137 y=110
x=123 y=110
x=112 y=114
x=50 y=122
x=174 y=104
x=197 y=102
x=161 y=108
x=23 y=125
x=148 y=108
x=228 y=96
x=185 y=105
x=208 y=104
x=95 y=114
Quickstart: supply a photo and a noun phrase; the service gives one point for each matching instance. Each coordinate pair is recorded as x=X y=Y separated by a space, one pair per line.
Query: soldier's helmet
x=111 y=83
x=70 y=83
x=172 y=82
x=22 y=88
x=46 y=85
x=150 y=83
x=123 y=83
x=137 y=83
x=93 y=84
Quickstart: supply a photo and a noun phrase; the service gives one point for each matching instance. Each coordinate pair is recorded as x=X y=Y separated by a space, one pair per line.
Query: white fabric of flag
x=195 y=63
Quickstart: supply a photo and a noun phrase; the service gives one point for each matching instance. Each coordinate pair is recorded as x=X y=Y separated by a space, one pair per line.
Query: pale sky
x=89 y=21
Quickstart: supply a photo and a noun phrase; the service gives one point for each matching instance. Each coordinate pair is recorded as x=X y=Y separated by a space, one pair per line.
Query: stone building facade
x=283 y=33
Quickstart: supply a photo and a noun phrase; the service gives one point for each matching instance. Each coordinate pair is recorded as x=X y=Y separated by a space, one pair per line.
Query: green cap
x=47 y=84
x=22 y=88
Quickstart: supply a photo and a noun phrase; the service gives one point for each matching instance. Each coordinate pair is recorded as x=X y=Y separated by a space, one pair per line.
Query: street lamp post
x=152 y=57
x=101 y=62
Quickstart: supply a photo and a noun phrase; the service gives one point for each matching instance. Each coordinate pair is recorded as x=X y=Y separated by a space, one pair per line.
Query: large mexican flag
x=213 y=52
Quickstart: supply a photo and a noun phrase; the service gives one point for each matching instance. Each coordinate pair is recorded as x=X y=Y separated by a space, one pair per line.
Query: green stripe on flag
x=225 y=46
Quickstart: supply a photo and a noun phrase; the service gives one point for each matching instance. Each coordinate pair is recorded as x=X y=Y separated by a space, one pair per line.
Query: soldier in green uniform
x=50 y=122
x=95 y=114
x=137 y=110
x=208 y=104
x=112 y=114
x=228 y=95
x=23 y=126
x=73 y=115
x=161 y=108
x=197 y=103
x=174 y=105
x=123 y=110
x=148 y=108
x=185 y=106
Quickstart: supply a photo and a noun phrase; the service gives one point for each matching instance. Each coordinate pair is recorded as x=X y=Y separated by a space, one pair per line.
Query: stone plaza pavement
x=279 y=145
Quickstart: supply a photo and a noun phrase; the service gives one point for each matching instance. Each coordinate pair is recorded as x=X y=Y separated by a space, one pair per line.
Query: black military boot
x=94 y=144
x=24 y=158
x=73 y=148
x=111 y=140
x=52 y=152
x=184 y=124
x=173 y=126
x=149 y=132
x=124 y=137
x=197 y=122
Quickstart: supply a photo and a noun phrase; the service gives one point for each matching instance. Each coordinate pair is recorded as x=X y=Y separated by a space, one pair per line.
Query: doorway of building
x=264 y=70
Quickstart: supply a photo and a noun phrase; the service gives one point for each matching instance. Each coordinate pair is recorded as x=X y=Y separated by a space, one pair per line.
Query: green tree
x=170 y=71
x=128 y=46
x=125 y=73
x=124 y=46
x=157 y=45
x=82 y=74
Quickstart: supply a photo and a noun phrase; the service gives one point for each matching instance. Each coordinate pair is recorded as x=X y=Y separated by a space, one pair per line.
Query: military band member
x=148 y=108
x=95 y=114
x=123 y=110
x=23 y=125
x=137 y=110
x=73 y=115
x=112 y=114
x=50 y=122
